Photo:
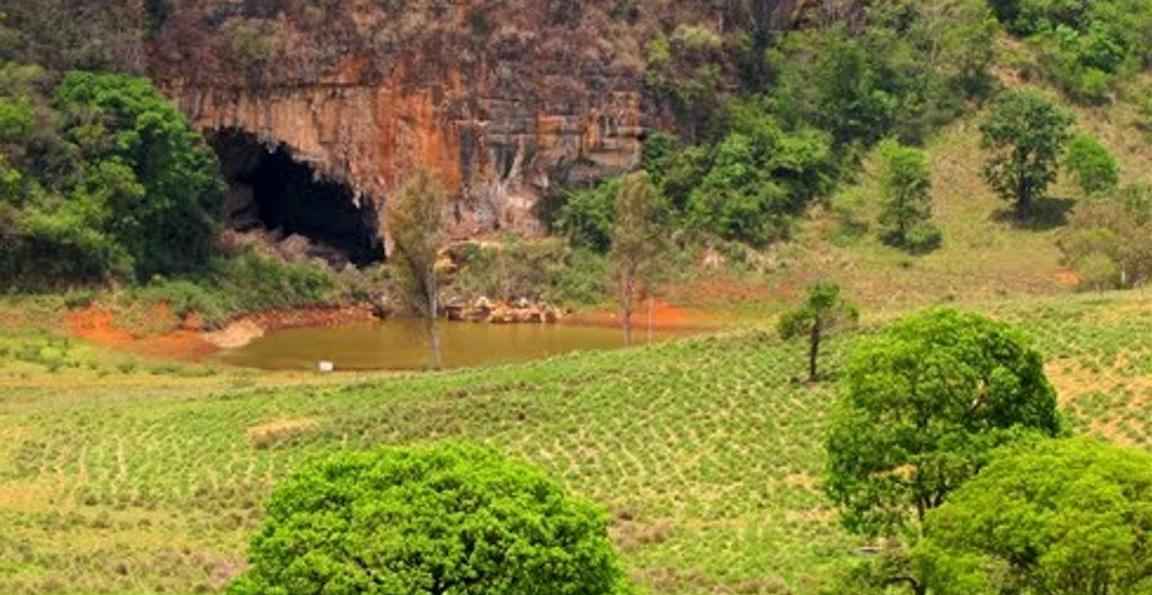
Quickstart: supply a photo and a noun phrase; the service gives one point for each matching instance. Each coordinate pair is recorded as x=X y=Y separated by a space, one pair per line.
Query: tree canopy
x=823 y=312
x=429 y=520
x=1027 y=135
x=924 y=404
x=103 y=179
x=636 y=240
x=1058 y=517
x=906 y=181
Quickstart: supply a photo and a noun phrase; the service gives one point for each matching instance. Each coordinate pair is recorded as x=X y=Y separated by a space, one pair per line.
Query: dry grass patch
x=279 y=432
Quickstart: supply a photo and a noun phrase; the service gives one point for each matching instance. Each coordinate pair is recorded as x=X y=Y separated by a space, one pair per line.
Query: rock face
x=502 y=99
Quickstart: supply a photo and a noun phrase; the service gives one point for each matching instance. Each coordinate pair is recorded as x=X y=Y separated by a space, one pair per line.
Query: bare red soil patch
x=656 y=314
x=189 y=340
x=99 y=326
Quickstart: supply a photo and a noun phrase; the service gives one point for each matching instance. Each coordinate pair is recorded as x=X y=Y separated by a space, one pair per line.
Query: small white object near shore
x=327 y=367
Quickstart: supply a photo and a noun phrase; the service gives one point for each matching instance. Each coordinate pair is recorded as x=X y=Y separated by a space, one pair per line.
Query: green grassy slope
x=705 y=451
x=984 y=255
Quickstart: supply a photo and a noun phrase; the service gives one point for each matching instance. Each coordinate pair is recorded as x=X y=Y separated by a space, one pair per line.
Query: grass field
x=705 y=451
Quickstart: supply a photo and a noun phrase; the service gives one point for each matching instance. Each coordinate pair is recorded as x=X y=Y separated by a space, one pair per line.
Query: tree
x=635 y=241
x=588 y=215
x=105 y=180
x=758 y=176
x=1094 y=168
x=429 y=520
x=166 y=196
x=823 y=313
x=923 y=406
x=1026 y=135
x=415 y=220
x=1061 y=517
x=906 y=181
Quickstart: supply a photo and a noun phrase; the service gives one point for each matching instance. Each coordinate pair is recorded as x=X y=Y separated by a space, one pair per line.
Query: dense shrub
x=587 y=215
x=546 y=270
x=924 y=404
x=906 y=183
x=906 y=73
x=146 y=166
x=433 y=519
x=1094 y=168
x=247 y=282
x=104 y=179
x=1067 y=516
x=1086 y=47
x=750 y=184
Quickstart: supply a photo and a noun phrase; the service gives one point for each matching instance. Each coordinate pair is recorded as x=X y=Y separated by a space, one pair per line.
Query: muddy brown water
x=403 y=345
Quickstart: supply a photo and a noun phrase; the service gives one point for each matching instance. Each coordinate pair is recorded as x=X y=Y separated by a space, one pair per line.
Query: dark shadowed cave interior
x=271 y=191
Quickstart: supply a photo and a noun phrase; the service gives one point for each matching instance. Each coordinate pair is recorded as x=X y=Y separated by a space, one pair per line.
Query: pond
x=403 y=345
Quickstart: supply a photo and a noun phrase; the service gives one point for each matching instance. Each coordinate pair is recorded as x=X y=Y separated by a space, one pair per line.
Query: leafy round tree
x=429 y=520
x=1059 y=517
x=1026 y=134
x=924 y=403
x=824 y=312
x=1094 y=168
x=145 y=167
x=906 y=180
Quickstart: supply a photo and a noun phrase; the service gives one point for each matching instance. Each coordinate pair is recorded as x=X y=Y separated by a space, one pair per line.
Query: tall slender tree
x=415 y=220
x=636 y=241
x=906 y=181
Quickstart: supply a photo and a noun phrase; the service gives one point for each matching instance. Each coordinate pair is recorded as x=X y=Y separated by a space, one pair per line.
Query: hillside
x=706 y=453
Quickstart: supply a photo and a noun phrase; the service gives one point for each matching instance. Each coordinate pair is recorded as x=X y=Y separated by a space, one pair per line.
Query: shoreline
x=189 y=341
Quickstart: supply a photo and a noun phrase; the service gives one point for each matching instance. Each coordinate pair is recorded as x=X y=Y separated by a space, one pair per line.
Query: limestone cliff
x=503 y=99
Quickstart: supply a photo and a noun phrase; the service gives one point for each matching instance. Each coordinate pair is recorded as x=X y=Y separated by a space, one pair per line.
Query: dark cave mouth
x=270 y=191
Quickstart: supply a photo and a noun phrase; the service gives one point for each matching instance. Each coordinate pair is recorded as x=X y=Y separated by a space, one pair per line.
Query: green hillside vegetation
x=707 y=454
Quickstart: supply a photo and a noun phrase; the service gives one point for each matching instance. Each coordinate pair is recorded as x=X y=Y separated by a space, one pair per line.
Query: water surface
x=403 y=345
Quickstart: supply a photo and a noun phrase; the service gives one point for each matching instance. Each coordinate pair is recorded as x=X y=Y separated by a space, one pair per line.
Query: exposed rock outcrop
x=502 y=100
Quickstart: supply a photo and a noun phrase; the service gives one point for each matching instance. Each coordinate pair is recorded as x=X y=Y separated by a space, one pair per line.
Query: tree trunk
x=1023 y=189
x=651 y=307
x=1024 y=202
x=814 y=351
x=626 y=307
x=434 y=343
x=433 y=318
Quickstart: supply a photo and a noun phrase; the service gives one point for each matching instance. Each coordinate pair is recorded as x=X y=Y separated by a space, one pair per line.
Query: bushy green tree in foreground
x=1061 y=517
x=1026 y=134
x=924 y=403
x=824 y=312
x=429 y=520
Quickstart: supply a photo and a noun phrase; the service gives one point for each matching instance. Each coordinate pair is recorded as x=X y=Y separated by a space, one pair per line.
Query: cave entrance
x=288 y=204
